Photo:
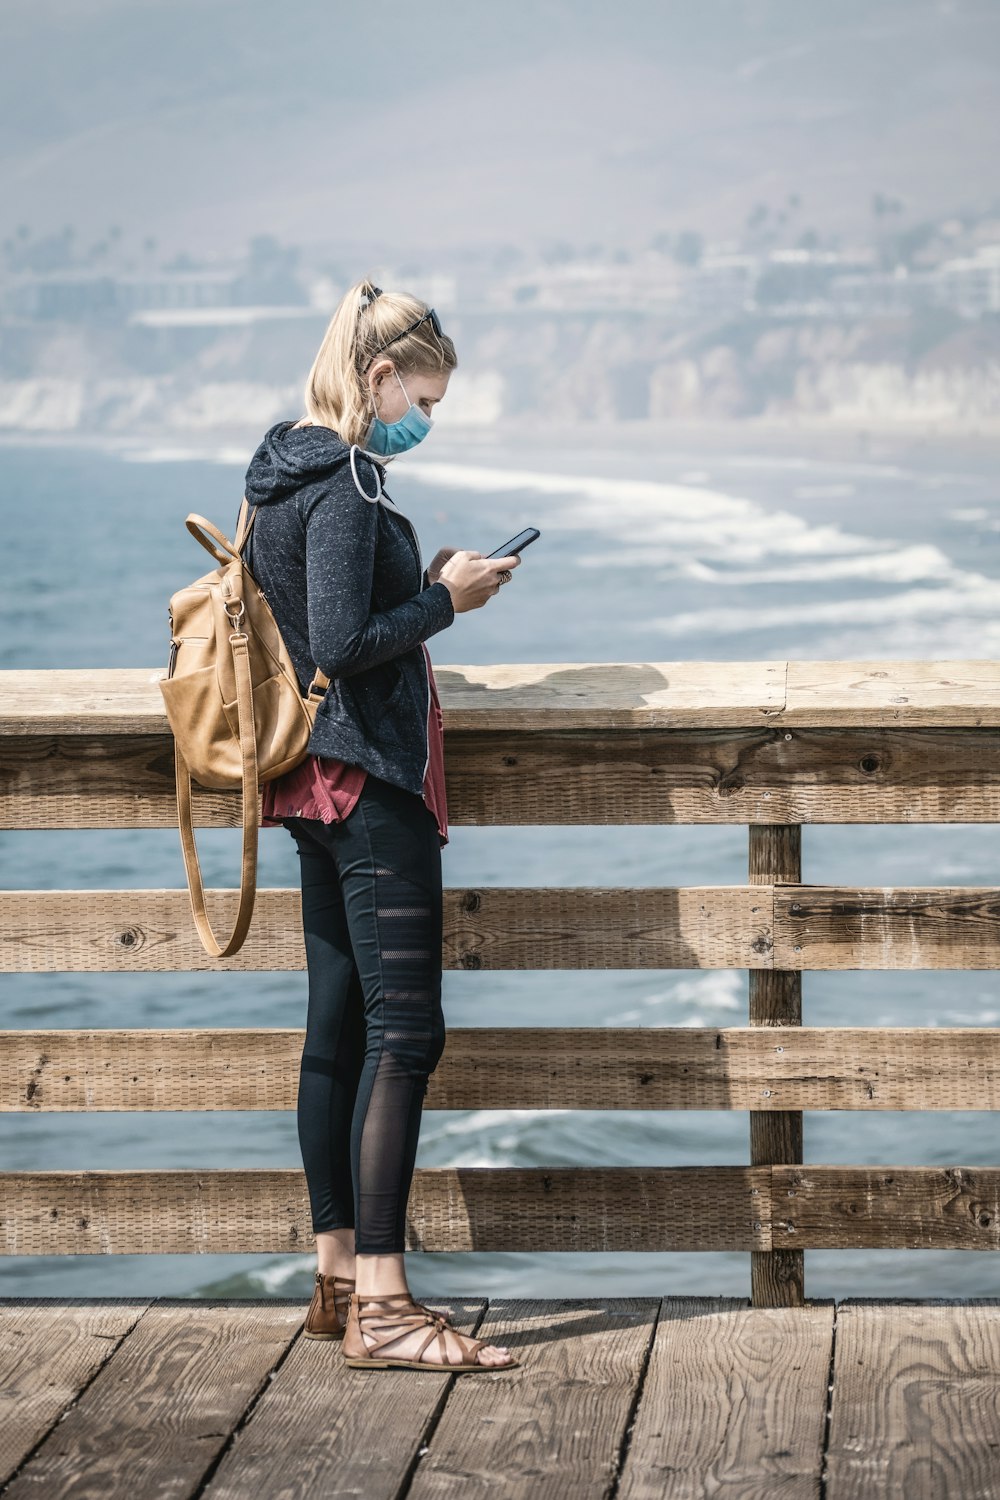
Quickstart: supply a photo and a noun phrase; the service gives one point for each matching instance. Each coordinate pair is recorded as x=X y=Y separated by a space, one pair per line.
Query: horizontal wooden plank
x=584 y=695
x=886 y=927
x=893 y=692
x=508 y=777
x=524 y=1067
x=266 y=1210
x=886 y=1208
x=535 y=927
x=488 y=927
x=521 y=695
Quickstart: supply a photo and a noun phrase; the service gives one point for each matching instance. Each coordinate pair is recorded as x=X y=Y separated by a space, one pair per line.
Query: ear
x=380 y=370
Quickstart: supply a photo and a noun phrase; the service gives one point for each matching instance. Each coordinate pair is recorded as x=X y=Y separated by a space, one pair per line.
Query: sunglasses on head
x=435 y=324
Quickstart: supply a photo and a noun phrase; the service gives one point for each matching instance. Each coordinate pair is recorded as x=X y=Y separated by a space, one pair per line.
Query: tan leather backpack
x=234 y=704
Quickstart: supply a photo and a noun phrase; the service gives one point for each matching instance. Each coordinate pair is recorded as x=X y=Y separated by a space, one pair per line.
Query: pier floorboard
x=618 y=1398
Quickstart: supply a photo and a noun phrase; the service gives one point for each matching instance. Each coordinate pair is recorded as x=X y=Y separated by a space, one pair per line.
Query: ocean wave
x=977 y=597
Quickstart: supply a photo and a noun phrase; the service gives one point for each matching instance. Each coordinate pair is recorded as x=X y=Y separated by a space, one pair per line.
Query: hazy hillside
x=200 y=122
x=927 y=373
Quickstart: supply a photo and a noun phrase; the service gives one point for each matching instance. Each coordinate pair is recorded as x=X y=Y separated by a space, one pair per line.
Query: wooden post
x=777 y=1277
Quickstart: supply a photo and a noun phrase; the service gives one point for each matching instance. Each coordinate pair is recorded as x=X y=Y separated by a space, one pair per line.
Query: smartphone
x=517 y=543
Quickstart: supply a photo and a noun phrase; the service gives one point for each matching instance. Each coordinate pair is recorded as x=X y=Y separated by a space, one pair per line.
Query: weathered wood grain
x=553 y=1427
x=893 y=692
x=526 y=927
x=323 y=1428
x=886 y=1208
x=485 y=927
x=916 y=1401
x=767 y=773
x=593 y=695
x=162 y=1407
x=524 y=1067
x=529 y=695
x=734 y=1403
x=777 y=1276
x=266 y=1210
x=886 y=927
x=50 y=1350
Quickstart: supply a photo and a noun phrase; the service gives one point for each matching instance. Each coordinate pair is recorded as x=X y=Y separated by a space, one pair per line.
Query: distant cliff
x=919 y=373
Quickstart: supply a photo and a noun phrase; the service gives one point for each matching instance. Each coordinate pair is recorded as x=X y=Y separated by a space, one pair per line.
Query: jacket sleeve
x=345 y=635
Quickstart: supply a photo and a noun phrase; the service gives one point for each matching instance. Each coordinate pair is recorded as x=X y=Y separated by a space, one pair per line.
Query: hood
x=290 y=456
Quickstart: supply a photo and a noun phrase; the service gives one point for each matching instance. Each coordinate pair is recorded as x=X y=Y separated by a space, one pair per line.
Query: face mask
x=396 y=437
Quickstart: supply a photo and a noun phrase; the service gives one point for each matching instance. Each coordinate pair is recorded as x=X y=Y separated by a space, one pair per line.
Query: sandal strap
x=408 y=1322
x=394 y=1327
x=328 y=1284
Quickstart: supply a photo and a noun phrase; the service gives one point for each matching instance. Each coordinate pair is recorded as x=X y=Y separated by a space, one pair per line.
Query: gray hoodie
x=341 y=568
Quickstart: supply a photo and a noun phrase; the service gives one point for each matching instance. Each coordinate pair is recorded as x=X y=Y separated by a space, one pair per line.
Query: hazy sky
x=409 y=127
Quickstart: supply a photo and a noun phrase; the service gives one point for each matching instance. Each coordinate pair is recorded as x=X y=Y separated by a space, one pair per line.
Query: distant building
x=143 y=291
x=69 y=296
x=720 y=284
x=882 y=293
x=85 y=296
x=646 y=283
x=970 y=284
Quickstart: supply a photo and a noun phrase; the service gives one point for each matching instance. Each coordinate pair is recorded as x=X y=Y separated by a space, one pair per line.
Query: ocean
x=678 y=544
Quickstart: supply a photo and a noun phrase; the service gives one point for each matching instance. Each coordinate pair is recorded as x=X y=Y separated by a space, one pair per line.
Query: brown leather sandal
x=327 y=1314
x=410 y=1315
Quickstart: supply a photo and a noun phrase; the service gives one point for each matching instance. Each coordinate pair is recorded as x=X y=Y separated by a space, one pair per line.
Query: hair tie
x=367 y=298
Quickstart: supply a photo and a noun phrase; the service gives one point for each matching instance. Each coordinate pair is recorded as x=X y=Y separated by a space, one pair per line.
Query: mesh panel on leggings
x=411 y=1029
x=385 y=1131
x=385 y=1143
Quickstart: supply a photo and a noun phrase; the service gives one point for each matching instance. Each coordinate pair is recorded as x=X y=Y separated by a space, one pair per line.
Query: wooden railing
x=770 y=744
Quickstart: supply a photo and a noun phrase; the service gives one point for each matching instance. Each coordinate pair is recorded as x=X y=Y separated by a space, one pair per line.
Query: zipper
x=423 y=644
x=410 y=527
x=427 y=715
x=412 y=530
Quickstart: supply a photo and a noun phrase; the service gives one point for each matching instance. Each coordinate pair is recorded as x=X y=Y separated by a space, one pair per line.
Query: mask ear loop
x=372 y=499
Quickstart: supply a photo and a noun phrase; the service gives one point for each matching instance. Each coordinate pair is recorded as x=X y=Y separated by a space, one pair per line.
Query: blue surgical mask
x=387 y=438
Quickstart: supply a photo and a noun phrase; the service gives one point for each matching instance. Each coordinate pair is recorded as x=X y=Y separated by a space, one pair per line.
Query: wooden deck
x=625 y=1397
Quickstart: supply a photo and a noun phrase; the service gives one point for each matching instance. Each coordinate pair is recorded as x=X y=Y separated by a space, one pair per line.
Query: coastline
x=833 y=441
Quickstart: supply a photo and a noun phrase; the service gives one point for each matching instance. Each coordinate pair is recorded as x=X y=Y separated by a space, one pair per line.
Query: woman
x=341 y=568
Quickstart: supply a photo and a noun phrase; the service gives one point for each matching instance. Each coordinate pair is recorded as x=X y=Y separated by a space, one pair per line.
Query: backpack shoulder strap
x=243 y=525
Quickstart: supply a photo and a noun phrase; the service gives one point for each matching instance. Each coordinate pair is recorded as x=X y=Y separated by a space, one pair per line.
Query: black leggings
x=371 y=916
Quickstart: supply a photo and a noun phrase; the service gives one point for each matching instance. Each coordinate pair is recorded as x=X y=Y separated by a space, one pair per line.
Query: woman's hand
x=471 y=578
x=437 y=563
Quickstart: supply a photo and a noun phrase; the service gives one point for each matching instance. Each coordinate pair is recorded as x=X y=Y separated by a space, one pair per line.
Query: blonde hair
x=365 y=319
